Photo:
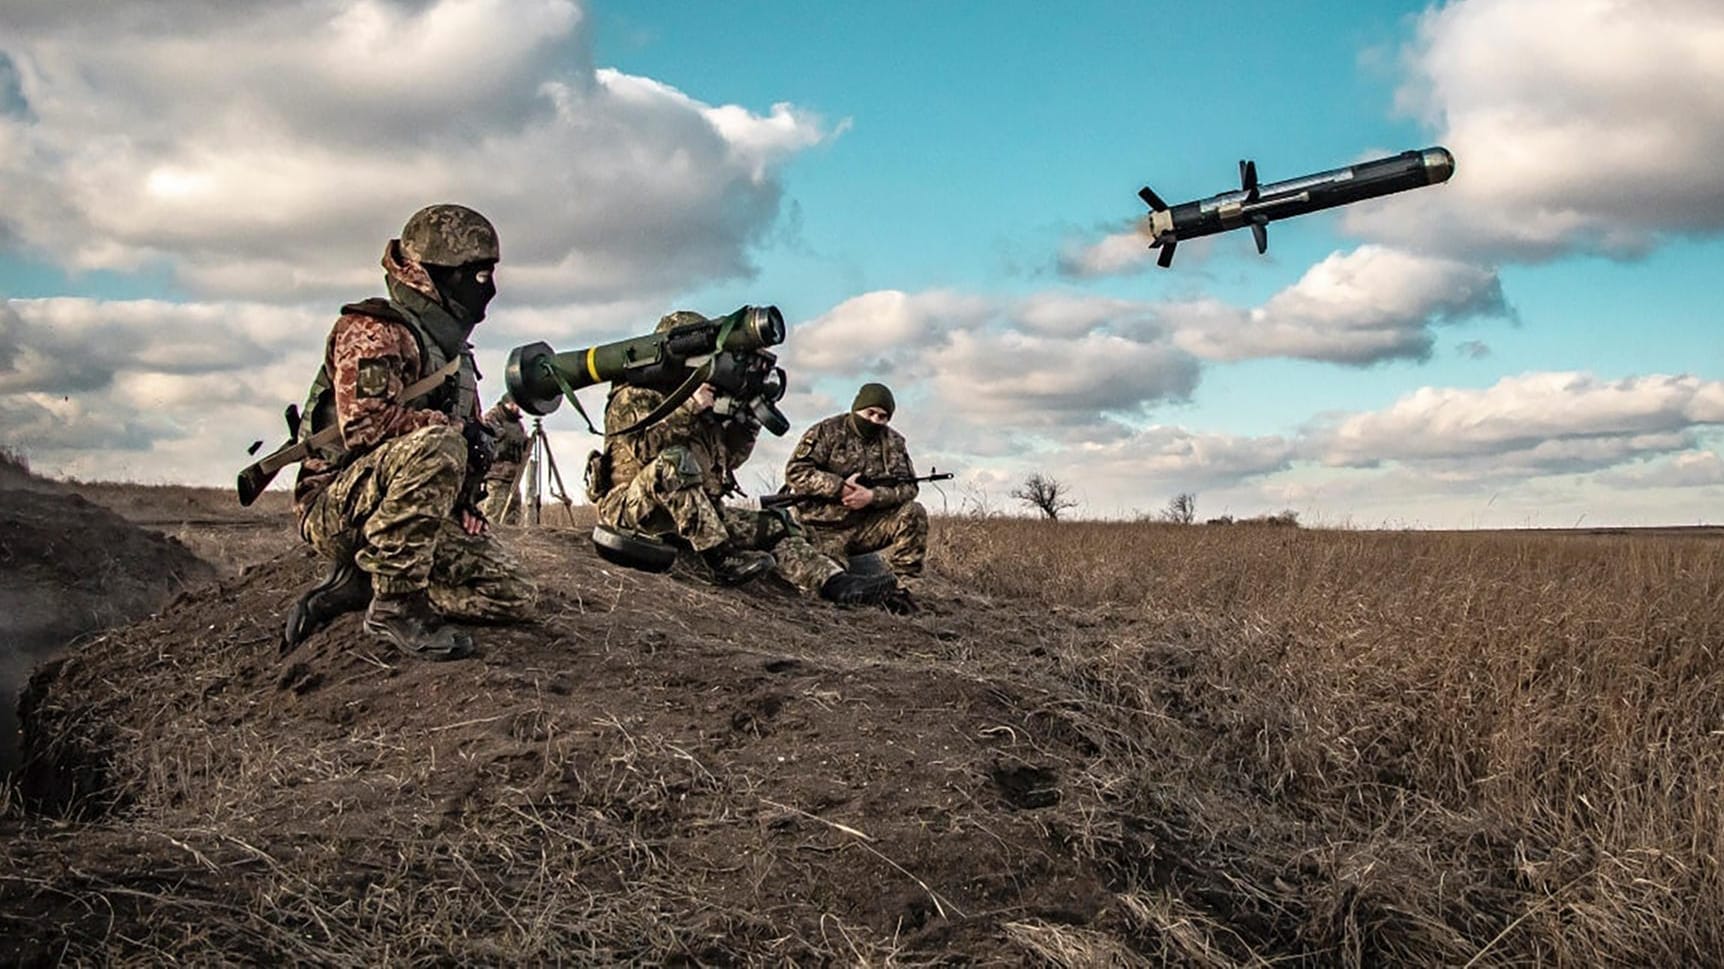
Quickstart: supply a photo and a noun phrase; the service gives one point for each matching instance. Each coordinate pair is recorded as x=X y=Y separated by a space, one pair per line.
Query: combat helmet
x=671 y=321
x=449 y=235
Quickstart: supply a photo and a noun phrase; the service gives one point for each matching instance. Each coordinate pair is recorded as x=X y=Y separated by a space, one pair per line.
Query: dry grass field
x=1100 y=744
x=1504 y=748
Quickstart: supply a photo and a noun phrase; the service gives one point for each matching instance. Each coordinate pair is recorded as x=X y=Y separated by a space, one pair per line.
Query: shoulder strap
x=376 y=306
x=294 y=453
x=671 y=403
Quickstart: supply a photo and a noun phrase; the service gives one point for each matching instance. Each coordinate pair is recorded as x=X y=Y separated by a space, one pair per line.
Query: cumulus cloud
x=1684 y=469
x=277 y=169
x=144 y=386
x=1577 y=125
x=1533 y=423
x=884 y=325
x=1182 y=459
x=1366 y=306
x=1050 y=361
x=1541 y=449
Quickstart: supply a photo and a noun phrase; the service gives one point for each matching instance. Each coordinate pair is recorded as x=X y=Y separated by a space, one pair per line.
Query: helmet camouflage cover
x=676 y=319
x=449 y=235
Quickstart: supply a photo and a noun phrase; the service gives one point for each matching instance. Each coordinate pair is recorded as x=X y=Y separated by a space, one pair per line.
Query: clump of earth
x=69 y=567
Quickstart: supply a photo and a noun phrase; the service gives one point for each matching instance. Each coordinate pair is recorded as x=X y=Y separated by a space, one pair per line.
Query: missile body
x=1258 y=205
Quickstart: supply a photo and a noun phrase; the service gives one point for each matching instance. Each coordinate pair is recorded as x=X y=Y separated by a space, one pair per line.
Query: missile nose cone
x=1439 y=164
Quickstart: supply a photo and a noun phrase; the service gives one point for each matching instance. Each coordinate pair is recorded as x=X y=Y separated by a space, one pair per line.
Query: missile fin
x=1166 y=258
x=1248 y=178
x=1260 y=232
x=1151 y=199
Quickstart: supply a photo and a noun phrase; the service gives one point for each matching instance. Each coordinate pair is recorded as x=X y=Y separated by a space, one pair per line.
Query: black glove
x=481 y=448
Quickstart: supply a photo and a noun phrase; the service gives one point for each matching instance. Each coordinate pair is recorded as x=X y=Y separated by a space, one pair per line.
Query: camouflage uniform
x=502 y=505
x=387 y=496
x=671 y=478
x=831 y=451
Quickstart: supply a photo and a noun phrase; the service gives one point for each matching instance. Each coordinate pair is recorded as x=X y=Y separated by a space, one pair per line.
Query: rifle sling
x=299 y=450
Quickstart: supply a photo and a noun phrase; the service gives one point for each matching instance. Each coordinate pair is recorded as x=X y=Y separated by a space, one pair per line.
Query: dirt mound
x=67 y=567
x=652 y=770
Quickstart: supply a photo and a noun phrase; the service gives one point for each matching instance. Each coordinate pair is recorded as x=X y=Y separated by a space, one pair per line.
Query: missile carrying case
x=868 y=563
x=633 y=550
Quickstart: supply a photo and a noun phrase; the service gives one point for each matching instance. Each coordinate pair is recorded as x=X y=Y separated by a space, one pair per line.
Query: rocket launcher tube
x=656 y=359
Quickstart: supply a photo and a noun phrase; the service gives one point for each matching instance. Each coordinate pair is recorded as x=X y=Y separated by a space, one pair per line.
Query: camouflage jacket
x=511 y=444
x=719 y=447
x=833 y=450
x=368 y=360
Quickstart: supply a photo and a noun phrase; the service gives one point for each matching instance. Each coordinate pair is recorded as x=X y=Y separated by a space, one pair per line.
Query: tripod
x=542 y=465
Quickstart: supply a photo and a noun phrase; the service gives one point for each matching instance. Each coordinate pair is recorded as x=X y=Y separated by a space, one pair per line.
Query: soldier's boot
x=345 y=589
x=849 y=589
x=410 y=623
x=734 y=566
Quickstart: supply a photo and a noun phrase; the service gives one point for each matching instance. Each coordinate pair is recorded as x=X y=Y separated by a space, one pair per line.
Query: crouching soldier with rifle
x=666 y=474
x=854 y=488
x=394 y=452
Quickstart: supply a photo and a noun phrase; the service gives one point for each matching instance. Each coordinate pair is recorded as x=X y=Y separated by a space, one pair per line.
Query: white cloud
x=167 y=390
x=1540 y=449
x=1185 y=459
x=1036 y=381
x=884 y=324
x=1045 y=362
x=1372 y=304
x=1684 y=469
x=1540 y=422
x=1577 y=125
x=278 y=168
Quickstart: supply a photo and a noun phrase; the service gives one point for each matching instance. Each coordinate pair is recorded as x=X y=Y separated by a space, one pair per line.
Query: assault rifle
x=785 y=498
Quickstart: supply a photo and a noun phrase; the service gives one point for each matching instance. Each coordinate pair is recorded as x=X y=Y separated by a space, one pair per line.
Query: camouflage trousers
x=502 y=505
x=665 y=499
x=902 y=532
x=392 y=510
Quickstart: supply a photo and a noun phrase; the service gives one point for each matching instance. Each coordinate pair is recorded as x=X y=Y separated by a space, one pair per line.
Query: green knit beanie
x=874 y=395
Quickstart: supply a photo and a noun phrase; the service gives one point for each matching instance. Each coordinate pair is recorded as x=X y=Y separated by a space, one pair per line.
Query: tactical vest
x=458 y=398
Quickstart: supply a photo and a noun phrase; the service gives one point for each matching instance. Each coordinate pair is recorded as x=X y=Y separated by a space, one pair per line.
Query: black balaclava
x=871 y=395
x=466 y=290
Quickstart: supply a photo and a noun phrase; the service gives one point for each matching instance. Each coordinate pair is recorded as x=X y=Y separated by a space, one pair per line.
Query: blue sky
x=938 y=195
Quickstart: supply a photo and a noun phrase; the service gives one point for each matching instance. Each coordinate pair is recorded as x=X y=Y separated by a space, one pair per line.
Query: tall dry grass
x=1480 y=748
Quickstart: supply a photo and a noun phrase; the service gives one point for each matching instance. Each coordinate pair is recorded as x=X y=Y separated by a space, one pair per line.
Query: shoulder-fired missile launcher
x=728 y=352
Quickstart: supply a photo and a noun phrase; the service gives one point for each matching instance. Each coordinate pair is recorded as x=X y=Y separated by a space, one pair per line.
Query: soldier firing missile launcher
x=1258 y=205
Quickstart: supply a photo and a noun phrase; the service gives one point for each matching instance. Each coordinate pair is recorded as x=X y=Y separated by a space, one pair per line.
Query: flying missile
x=1258 y=205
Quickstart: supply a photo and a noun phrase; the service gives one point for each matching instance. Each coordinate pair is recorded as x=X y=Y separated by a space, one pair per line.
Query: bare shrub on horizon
x=1046 y=494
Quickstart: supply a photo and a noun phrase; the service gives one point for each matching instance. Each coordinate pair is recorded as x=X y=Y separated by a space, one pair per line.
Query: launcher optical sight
x=728 y=352
x=1258 y=205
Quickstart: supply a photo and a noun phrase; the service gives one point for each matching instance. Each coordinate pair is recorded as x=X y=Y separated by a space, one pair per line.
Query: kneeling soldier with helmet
x=668 y=478
x=841 y=513
x=391 y=504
